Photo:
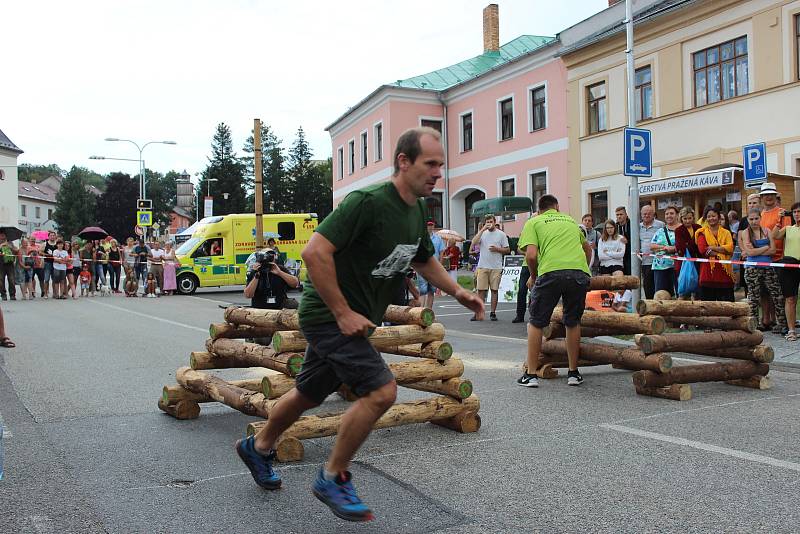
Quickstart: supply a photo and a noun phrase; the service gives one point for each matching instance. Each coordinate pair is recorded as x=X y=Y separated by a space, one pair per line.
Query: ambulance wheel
x=187 y=284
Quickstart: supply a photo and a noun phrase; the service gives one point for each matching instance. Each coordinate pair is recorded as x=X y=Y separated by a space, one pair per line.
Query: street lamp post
x=142 y=187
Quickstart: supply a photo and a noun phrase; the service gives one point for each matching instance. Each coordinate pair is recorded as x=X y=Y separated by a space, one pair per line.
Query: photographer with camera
x=268 y=282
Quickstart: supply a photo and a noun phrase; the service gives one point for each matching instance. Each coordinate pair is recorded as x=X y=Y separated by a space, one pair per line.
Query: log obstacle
x=711 y=372
x=692 y=308
x=621 y=323
x=415 y=334
x=697 y=343
x=613 y=283
x=558 y=331
x=603 y=353
x=745 y=323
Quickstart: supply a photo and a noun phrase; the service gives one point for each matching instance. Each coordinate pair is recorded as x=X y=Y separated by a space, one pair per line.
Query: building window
x=378 y=138
x=720 y=72
x=351 y=154
x=434 y=204
x=436 y=124
x=50 y=214
x=37 y=212
x=538 y=108
x=506 y=110
x=644 y=94
x=363 y=149
x=508 y=189
x=466 y=132
x=598 y=205
x=340 y=163
x=538 y=187
x=596 y=95
x=23 y=209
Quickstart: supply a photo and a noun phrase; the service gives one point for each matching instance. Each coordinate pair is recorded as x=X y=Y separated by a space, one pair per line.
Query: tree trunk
x=382 y=337
x=173 y=394
x=600 y=352
x=697 y=343
x=701 y=308
x=238 y=331
x=745 y=323
x=458 y=388
x=274 y=319
x=546 y=371
x=426 y=370
x=183 y=409
x=612 y=283
x=247 y=402
x=423 y=317
x=276 y=386
x=621 y=323
x=678 y=392
x=463 y=422
x=755 y=382
x=759 y=353
x=435 y=350
x=559 y=331
x=240 y=354
x=406 y=413
x=712 y=372
x=289 y=449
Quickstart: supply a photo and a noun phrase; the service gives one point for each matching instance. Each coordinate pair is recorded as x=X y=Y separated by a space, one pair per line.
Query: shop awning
x=700 y=180
x=502 y=206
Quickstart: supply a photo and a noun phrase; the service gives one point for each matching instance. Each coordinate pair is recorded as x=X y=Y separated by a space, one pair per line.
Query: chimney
x=491 y=28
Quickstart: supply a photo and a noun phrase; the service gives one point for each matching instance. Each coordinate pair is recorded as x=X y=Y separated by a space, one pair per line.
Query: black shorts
x=611 y=269
x=59 y=275
x=333 y=359
x=569 y=285
x=789 y=277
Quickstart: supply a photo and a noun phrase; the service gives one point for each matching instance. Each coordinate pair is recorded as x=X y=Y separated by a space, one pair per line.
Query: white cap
x=768 y=188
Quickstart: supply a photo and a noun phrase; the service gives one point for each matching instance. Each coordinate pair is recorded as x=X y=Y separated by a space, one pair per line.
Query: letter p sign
x=755 y=164
x=638 y=153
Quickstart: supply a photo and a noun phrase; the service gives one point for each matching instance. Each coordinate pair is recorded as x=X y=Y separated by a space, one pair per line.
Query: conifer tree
x=116 y=207
x=226 y=168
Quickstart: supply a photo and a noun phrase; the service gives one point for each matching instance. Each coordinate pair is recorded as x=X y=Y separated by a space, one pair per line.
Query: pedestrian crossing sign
x=144 y=218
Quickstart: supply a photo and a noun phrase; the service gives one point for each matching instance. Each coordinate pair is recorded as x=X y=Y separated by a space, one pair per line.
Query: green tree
x=74 y=204
x=277 y=194
x=116 y=207
x=324 y=194
x=228 y=170
x=37 y=173
x=311 y=181
x=163 y=191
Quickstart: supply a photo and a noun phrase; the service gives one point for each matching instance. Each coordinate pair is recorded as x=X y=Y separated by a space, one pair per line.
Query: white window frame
x=530 y=90
x=340 y=167
x=37 y=212
x=421 y=118
x=498 y=111
x=363 y=154
x=500 y=193
x=378 y=147
x=530 y=173
x=23 y=210
x=461 y=130
x=351 y=157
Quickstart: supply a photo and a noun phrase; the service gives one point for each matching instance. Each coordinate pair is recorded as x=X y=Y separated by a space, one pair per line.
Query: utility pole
x=633 y=212
x=259 y=184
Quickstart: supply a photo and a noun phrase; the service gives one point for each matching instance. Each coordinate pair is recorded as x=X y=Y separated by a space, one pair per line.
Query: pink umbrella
x=40 y=235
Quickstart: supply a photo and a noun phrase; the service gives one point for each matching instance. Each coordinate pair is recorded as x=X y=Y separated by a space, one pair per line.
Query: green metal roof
x=445 y=78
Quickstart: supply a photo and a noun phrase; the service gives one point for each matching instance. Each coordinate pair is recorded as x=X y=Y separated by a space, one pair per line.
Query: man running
x=357 y=259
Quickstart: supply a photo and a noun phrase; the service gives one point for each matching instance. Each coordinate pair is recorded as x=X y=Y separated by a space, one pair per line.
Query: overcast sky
x=78 y=72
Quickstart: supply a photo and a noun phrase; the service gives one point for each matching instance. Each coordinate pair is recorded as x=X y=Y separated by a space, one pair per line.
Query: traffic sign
x=138 y=229
x=638 y=153
x=144 y=204
x=144 y=218
x=755 y=164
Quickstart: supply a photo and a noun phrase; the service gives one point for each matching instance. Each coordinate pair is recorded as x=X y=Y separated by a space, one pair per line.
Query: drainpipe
x=446 y=167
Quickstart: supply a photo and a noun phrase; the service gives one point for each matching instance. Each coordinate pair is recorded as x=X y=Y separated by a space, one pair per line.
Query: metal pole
x=259 y=184
x=633 y=212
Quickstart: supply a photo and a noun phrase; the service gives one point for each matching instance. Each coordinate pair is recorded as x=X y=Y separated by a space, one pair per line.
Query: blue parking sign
x=755 y=164
x=638 y=152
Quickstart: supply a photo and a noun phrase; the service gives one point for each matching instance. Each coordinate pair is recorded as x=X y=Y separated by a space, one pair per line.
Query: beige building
x=711 y=76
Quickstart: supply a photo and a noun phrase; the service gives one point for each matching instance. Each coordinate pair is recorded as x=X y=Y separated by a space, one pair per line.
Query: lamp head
x=112 y=139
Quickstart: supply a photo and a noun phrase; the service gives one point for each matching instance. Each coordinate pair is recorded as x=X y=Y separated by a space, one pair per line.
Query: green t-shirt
x=377 y=236
x=560 y=242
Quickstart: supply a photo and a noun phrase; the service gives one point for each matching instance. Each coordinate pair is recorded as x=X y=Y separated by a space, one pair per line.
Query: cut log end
x=427 y=317
x=465 y=422
x=546 y=371
x=289 y=449
x=182 y=410
x=754 y=382
x=678 y=392
x=662 y=294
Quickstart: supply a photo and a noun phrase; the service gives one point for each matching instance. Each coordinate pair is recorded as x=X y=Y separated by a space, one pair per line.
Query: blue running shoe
x=260 y=466
x=341 y=498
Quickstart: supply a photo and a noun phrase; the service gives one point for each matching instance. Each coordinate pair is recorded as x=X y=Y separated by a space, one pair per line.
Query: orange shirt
x=769 y=218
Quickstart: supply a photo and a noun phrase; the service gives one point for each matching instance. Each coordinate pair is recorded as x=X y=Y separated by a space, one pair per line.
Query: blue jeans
x=99 y=275
x=664 y=279
x=141 y=271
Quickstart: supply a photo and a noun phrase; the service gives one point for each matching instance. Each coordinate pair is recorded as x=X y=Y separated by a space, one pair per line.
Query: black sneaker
x=492 y=316
x=574 y=378
x=528 y=381
x=473 y=318
x=518 y=319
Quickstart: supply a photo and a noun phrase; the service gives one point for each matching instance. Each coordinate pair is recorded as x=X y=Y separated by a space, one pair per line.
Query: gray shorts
x=333 y=359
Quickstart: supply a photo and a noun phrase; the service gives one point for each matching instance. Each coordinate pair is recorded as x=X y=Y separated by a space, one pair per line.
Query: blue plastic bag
x=687 y=279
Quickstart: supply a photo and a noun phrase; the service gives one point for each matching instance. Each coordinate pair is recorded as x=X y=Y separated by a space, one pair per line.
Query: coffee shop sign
x=686 y=183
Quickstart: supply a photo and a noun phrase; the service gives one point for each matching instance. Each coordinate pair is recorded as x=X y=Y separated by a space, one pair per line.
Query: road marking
x=774 y=462
x=153 y=317
x=7 y=433
x=225 y=302
x=470 y=313
x=488 y=336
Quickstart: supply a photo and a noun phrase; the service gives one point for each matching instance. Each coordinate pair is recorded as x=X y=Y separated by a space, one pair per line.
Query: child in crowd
x=150 y=286
x=86 y=280
x=622 y=301
x=131 y=284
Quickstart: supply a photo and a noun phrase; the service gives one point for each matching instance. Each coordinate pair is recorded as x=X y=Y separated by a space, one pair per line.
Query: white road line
x=712 y=407
x=7 y=433
x=226 y=302
x=153 y=317
x=470 y=313
x=470 y=334
x=774 y=462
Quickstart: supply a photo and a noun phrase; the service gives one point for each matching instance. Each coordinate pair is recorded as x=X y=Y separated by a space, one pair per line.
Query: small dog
x=131 y=285
x=105 y=290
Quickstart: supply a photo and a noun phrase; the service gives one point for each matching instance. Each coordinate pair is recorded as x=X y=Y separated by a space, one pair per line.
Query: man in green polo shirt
x=557 y=252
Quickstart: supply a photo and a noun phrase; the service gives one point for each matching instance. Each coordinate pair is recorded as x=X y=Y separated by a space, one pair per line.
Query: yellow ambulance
x=215 y=255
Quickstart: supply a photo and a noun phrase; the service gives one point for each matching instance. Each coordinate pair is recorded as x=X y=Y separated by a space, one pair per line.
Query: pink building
x=502 y=115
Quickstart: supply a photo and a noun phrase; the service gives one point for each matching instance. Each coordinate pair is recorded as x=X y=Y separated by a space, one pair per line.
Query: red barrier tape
x=731 y=262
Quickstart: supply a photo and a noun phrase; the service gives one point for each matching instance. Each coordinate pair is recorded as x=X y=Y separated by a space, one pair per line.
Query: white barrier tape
x=731 y=262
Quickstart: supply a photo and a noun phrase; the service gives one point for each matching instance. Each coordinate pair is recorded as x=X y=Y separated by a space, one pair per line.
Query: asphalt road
x=87 y=450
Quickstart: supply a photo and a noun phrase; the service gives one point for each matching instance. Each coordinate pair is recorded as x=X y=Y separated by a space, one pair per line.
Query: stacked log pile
x=432 y=369
x=737 y=338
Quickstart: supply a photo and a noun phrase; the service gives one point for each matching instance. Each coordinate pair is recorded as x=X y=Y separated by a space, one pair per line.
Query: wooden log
x=426 y=370
x=759 y=353
x=246 y=401
x=755 y=382
x=238 y=331
x=405 y=413
x=174 y=394
x=697 y=342
x=463 y=422
x=276 y=386
x=620 y=323
x=383 y=337
x=289 y=449
x=702 y=308
x=712 y=372
x=611 y=283
x=745 y=323
x=546 y=371
x=435 y=350
x=236 y=354
x=559 y=331
x=600 y=352
x=275 y=319
x=662 y=294
x=423 y=317
x=678 y=392
x=183 y=409
x=458 y=388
